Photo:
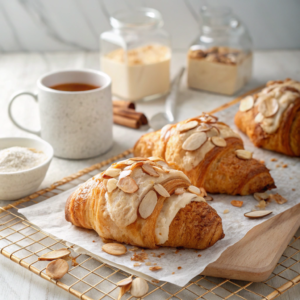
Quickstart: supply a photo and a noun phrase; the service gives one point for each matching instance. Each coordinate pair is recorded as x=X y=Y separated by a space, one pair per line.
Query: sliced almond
x=123 y=164
x=278 y=198
x=246 y=104
x=52 y=255
x=259 y=118
x=57 y=269
x=243 y=154
x=148 y=204
x=125 y=174
x=193 y=189
x=137 y=164
x=203 y=192
x=203 y=127
x=218 y=141
x=268 y=107
x=257 y=214
x=114 y=249
x=179 y=191
x=165 y=132
x=138 y=158
x=208 y=198
x=194 y=141
x=161 y=190
x=123 y=290
x=112 y=172
x=127 y=185
x=125 y=281
x=208 y=119
x=187 y=126
x=261 y=196
x=160 y=169
x=214 y=131
x=111 y=184
x=139 y=287
x=148 y=169
x=155 y=158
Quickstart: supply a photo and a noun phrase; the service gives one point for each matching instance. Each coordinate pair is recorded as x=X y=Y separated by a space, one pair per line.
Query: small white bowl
x=16 y=185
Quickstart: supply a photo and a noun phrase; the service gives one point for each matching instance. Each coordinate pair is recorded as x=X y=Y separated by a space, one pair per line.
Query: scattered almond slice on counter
x=261 y=196
x=127 y=185
x=148 y=169
x=187 y=126
x=257 y=214
x=111 y=185
x=123 y=290
x=179 y=191
x=52 y=255
x=243 y=154
x=112 y=172
x=193 y=189
x=57 y=269
x=278 y=198
x=237 y=203
x=269 y=107
x=155 y=268
x=208 y=198
x=246 y=104
x=125 y=281
x=194 y=141
x=139 y=287
x=161 y=190
x=125 y=173
x=148 y=204
x=218 y=141
x=114 y=249
x=226 y=211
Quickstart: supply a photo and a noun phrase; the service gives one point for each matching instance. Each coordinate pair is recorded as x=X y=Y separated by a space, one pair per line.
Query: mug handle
x=15 y=96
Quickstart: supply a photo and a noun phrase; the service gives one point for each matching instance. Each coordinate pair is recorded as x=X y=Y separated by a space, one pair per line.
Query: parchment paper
x=49 y=216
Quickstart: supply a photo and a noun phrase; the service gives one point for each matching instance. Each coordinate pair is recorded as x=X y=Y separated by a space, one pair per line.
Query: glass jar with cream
x=136 y=54
x=220 y=60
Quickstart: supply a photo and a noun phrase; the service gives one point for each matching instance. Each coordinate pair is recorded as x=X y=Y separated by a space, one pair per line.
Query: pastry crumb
x=226 y=211
x=173 y=273
x=199 y=255
x=137 y=264
x=155 y=281
x=134 y=249
x=155 y=268
x=274 y=159
x=179 y=268
x=237 y=203
x=285 y=166
x=278 y=165
x=262 y=161
x=94 y=241
x=148 y=263
x=278 y=198
x=139 y=257
x=261 y=205
x=293 y=189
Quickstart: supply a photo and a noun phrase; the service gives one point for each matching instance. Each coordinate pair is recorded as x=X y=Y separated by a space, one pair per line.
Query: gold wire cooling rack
x=90 y=279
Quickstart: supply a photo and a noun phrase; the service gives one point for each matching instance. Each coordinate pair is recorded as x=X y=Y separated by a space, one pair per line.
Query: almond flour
x=16 y=159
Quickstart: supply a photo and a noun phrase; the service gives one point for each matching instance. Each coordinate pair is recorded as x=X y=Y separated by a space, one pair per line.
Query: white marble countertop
x=20 y=71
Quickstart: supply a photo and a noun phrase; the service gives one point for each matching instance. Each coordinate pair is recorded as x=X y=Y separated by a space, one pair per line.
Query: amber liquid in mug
x=74 y=87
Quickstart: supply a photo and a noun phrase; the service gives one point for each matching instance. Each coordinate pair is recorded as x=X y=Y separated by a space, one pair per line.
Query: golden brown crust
x=219 y=172
x=86 y=208
x=285 y=140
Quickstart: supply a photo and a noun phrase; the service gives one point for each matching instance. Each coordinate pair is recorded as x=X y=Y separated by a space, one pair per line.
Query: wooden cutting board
x=255 y=256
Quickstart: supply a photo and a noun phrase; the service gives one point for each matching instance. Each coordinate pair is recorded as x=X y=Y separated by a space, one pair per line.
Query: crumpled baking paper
x=178 y=267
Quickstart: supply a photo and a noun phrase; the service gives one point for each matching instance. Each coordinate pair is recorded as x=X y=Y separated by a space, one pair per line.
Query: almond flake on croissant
x=205 y=150
x=271 y=118
x=144 y=210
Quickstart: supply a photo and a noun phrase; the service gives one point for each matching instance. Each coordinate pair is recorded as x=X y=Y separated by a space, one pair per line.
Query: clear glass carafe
x=136 y=54
x=220 y=60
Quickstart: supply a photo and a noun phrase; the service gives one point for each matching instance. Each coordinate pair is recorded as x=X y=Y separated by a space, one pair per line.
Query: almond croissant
x=271 y=118
x=144 y=202
x=208 y=152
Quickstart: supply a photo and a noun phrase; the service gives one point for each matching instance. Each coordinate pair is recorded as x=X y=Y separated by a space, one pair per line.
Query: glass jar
x=220 y=60
x=136 y=54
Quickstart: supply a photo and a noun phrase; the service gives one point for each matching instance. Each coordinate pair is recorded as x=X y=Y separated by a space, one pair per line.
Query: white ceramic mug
x=78 y=125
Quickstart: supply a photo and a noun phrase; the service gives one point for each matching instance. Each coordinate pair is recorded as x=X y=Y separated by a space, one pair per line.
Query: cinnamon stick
x=131 y=114
x=123 y=104
x=132 y=123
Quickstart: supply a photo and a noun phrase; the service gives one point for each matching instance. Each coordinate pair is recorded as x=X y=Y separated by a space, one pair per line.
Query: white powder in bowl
x=16 y=159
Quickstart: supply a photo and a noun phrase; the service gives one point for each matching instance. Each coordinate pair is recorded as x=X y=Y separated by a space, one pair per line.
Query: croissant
x=144 y=202
x=210 y=153
x=271 y=118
